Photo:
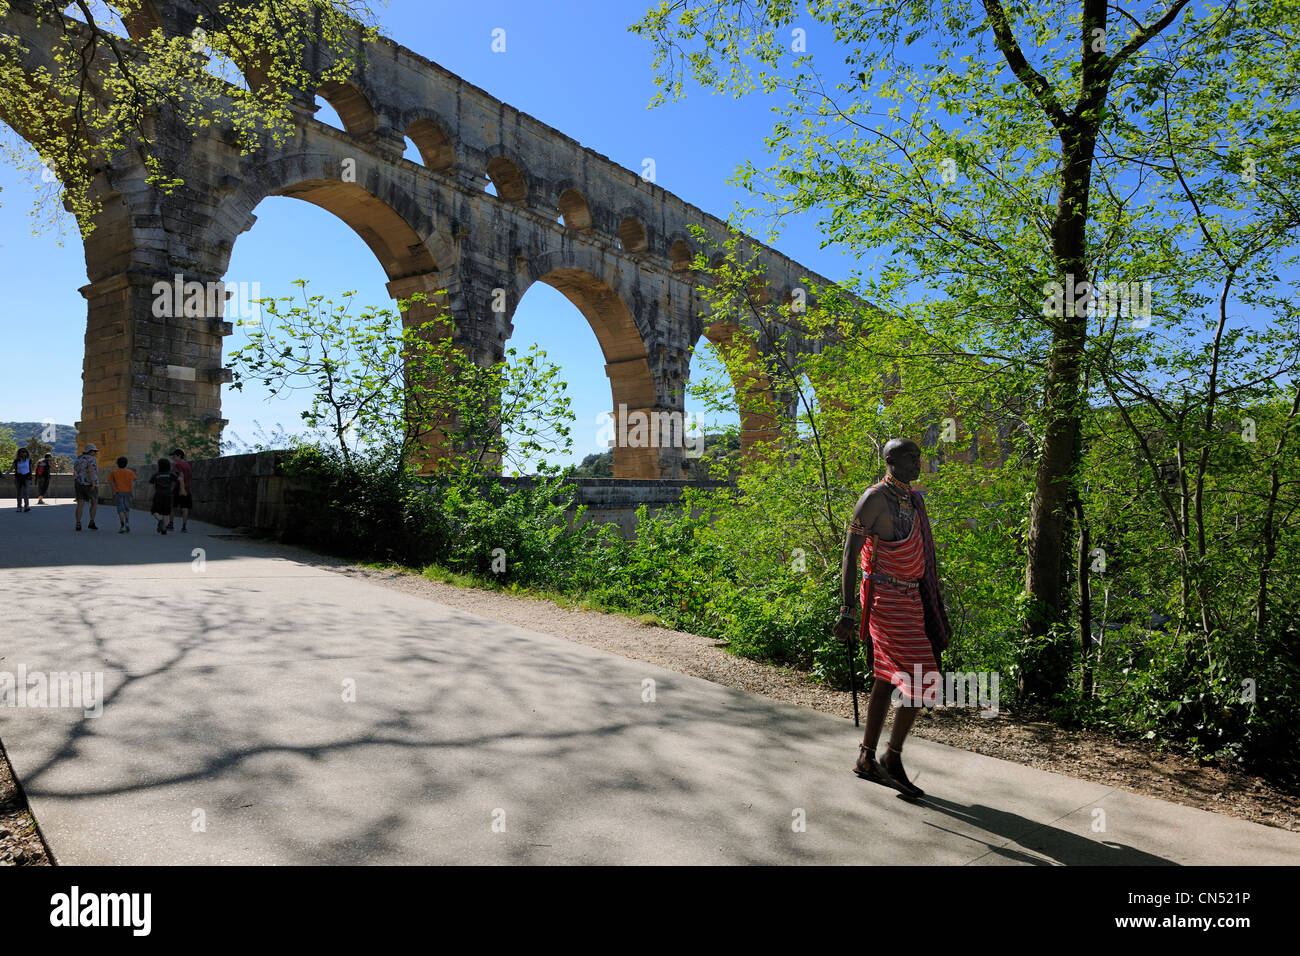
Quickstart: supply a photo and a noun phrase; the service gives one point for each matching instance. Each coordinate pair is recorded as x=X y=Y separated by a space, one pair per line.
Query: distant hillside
x=65 y=436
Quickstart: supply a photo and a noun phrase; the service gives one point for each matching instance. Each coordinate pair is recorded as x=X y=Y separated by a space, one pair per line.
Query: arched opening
x=109 y=20
x=350 y=105
x=325 y=113
x=508 y=180
x=807 y=410
x=680 y=254
x=334 y=247
x=618 y=354
x=710 y=406
x=632 y=235
x=220 y=66
x=395 y=244
x=574 y=211
x=758 y=406
x=436 y=150
x=546 y=318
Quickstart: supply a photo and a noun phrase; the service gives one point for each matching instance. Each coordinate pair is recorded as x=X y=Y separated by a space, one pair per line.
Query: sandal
x=867 y=768
x=896 y=776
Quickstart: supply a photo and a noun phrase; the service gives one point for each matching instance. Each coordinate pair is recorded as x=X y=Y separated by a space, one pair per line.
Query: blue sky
x=571 y=64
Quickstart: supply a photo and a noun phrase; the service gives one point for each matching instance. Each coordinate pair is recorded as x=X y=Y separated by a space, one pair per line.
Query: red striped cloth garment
x=899 y=645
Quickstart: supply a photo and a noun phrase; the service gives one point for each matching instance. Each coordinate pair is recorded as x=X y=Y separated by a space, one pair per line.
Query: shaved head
x=896 y=447
x=903 y=458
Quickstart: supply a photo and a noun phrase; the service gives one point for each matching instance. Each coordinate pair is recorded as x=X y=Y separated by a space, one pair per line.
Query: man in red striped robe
x=908 y=626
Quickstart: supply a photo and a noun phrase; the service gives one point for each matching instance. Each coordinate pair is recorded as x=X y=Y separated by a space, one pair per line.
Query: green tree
x=8 y=447
x=976 y=168
x=405 y=392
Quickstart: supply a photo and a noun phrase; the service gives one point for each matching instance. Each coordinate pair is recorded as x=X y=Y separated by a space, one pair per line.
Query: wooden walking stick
x=853 y=679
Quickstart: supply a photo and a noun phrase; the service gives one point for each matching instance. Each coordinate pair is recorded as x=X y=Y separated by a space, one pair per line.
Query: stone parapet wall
x=248 y=491
x=60 y=486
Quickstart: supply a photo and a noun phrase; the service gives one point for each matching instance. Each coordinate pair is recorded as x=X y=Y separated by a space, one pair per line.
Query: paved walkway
x=225 y=736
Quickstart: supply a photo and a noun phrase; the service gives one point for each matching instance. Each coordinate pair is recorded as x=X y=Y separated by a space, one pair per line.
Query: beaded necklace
x=901 y=489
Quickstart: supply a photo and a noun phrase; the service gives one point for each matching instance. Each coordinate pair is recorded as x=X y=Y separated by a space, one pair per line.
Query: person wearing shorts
x=85 y=482
x=122 y=479
x=164 y=488
x=184 y=498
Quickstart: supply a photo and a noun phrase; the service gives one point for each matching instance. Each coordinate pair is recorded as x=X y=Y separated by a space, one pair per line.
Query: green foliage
x=195 y=438
x=364 y=507
x=97 y=93
x=8 y=446
x=383 y=387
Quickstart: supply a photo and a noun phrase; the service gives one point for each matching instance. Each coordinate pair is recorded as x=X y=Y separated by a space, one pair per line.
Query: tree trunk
x=1044 y=670
x=1085 y=597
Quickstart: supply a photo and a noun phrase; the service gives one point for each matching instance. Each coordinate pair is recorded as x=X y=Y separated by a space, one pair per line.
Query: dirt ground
x=20 y=843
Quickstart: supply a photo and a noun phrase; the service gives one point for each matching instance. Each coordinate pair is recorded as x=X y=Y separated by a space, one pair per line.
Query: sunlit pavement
x=258 y=709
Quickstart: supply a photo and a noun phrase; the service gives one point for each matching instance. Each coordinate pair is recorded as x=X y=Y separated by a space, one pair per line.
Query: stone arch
x=351 y=104
x=632 y=234
x=105 y=18
x=573 y=206
x=435 y=146
x=509 y=179
x=681 y=254
x=587 y=280
x=390 y=237
x=388 y=219
x=142 y=21
x=138 y=23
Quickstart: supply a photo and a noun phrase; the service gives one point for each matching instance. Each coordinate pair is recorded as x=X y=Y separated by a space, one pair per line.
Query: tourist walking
x=85 y=483
x=23 y=479
x=164 y=491
x=904 y=627
x=122 y=479
x=44 y=468
x=184 y=500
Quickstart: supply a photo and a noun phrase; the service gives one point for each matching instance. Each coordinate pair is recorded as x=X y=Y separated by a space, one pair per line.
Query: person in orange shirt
x=122 y=478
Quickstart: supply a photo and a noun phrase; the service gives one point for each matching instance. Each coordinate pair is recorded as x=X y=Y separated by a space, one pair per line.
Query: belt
x=890 y=579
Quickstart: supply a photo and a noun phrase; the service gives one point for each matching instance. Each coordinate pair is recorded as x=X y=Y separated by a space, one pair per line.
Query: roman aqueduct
x=618 y=247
